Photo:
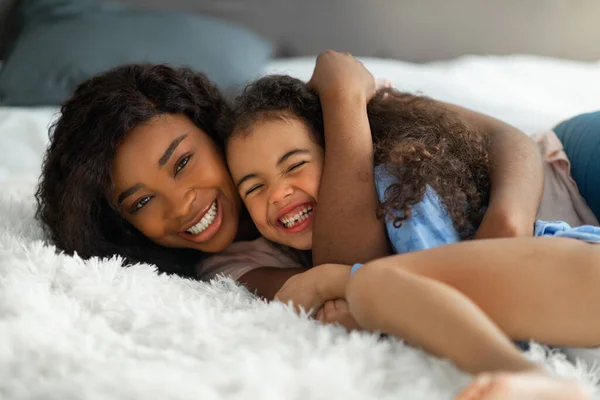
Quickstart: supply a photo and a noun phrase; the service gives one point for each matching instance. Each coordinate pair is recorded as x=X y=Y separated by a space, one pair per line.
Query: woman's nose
x=180 y=202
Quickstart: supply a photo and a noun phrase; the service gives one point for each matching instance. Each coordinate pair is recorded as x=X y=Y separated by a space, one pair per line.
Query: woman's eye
x=139 y=204
x=182 y=163
x=297 y=165
x=253 y=189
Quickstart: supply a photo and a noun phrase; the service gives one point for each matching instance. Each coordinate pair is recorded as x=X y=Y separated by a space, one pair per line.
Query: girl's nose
x=280 y=191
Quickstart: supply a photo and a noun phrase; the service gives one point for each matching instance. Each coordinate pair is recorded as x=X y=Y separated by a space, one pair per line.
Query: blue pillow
x=63 y=42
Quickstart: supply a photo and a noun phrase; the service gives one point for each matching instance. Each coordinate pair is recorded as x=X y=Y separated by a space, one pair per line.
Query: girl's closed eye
x=253 y=189
x=138 y=205
x=296 y=166
x=183 y=161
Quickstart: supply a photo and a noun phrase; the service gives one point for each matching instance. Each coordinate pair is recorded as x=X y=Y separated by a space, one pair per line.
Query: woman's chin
x=220 y=241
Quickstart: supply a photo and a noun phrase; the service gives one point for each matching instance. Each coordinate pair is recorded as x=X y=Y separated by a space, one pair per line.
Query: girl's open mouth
x=298 y=219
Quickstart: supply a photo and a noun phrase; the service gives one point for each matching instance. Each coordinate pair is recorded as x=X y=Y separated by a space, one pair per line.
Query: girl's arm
x=516 y=177
x=467 y=301
x=320 y=288
x=346 y=229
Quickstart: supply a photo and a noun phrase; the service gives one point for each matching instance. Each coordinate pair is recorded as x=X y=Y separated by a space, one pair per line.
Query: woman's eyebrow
x=161 y=162
x=170 y=150
x=128 y=192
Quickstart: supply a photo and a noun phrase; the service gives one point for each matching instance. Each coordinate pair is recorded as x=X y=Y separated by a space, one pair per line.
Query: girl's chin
x=306 y=247
x=299 y=243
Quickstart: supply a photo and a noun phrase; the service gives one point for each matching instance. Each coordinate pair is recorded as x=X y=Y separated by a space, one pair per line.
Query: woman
x=135 y=168
x=95 y=171
x=135 y=161
x=462 y=302
x=580 y=137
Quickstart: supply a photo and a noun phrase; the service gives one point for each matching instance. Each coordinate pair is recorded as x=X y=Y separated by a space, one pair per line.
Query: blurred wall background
x=411 y=30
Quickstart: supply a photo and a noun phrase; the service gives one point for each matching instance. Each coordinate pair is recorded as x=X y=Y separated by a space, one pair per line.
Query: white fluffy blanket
x=73 y=329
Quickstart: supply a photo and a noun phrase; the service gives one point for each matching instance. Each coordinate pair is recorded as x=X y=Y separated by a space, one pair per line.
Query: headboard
x=411 y=30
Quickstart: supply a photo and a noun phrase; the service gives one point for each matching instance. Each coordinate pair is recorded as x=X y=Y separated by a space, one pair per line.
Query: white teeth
x=291 y=220
x=205 y=222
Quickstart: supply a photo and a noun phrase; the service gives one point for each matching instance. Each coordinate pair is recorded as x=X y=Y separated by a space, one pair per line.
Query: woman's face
x=171 y=183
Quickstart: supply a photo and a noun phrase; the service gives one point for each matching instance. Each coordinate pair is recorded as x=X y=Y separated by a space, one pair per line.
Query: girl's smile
x=277 y=169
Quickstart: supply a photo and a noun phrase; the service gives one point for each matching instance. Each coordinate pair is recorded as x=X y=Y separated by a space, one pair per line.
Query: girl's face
x=277 y=168
x=172 y=184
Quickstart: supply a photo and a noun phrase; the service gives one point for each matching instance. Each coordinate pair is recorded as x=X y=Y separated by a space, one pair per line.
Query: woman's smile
x=172 y=184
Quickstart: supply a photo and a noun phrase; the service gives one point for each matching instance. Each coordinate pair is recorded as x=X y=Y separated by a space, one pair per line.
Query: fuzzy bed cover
x=71 y=329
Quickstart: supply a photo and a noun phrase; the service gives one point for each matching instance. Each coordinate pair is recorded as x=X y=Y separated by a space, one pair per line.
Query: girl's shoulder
x=244 y=256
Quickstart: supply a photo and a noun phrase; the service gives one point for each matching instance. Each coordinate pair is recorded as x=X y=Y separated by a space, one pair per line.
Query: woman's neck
x=246 y=228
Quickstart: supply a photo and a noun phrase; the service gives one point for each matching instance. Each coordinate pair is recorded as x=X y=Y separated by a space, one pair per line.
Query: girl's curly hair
x=418 y=141
x=72 y=201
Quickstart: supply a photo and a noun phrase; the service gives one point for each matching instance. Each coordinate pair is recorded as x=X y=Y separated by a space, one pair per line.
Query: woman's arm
x=311 y=289
x=516 y=177
x=346 y=228
x=267 y=281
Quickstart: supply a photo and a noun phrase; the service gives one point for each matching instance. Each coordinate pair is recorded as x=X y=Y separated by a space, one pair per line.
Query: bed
x=73 y=329
x=532 y=93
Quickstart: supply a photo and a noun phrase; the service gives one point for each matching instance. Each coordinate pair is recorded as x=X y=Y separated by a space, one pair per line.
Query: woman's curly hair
x=419 y=142
x=72 y=194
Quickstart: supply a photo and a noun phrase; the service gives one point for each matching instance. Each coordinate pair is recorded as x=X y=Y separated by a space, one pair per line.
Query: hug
x=381 y=210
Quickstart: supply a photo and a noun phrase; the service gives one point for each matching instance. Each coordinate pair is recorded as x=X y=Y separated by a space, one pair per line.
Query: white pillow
x=23 y=140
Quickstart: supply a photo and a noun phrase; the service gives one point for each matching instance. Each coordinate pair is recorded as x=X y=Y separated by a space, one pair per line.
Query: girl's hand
x=337 y=312
x=340 y=74
x=311 y=289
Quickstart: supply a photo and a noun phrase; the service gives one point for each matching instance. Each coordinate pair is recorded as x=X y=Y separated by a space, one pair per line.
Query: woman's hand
x=382 y=83
x=340 y=74
x=311 y=289
x=516 y=177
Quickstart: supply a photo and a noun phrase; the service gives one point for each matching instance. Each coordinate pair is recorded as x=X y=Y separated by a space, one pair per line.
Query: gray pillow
x=63 y=42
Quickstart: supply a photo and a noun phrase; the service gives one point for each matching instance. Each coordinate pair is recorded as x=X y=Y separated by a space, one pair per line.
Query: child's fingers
x=335 y=310
x=341 y=305
x=328 y=311
x=320 y=315
x=341 y=314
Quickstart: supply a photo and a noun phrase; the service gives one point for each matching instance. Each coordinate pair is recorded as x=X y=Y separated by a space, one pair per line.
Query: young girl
x=431 y=174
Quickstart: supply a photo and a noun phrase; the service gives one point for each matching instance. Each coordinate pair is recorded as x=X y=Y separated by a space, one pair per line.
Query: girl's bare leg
x=445 y=300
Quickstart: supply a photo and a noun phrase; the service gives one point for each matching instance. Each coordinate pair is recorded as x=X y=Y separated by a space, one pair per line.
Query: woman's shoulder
x=244 y=256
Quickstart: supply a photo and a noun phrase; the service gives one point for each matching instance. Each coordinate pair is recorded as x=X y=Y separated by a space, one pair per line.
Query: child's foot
x=522 y=386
